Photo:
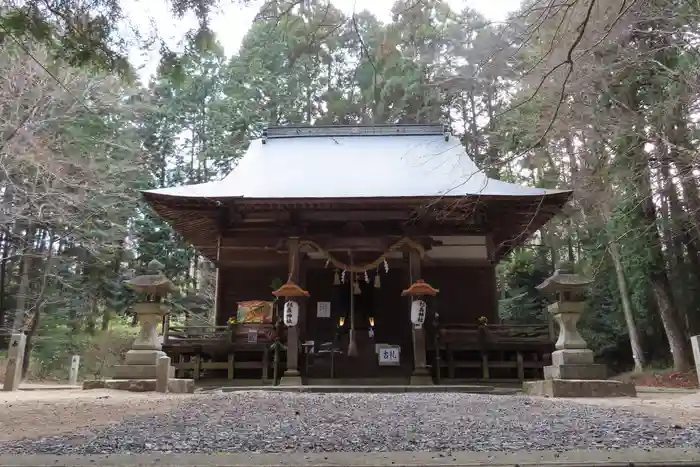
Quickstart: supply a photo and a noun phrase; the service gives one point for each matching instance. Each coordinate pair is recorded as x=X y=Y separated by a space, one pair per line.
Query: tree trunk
x=38 y=306
x=635 y=342
x=24 y=284
x=3 y=277
x=646 y=208
x=627 y=311
x=660 y=283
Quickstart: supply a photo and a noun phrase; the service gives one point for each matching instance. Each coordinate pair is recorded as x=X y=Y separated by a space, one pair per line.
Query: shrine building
x=388 y=235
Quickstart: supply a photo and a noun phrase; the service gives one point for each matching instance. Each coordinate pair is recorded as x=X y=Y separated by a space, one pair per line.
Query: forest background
x=597 y=96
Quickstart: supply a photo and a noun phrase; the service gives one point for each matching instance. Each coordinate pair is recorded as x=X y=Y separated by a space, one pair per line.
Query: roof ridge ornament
x=327 y=131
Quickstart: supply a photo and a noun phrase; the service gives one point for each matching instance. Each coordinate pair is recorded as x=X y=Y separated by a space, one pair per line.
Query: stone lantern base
x=573 y=373
x=579 y=388
x=140 y=364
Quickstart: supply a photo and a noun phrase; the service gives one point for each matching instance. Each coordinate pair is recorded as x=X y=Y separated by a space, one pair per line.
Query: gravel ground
x=282 y=422
x=33 y=414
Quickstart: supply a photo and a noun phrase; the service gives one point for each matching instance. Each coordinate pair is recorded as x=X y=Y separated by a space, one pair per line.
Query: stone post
x=140 y=361
x=15 y=357
x=74 y=367
x=162 y=374
x=573 y=372
x=695 y=341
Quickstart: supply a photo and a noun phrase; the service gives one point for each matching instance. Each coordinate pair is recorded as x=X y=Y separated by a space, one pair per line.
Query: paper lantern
x=291 y=313
x=418 y=312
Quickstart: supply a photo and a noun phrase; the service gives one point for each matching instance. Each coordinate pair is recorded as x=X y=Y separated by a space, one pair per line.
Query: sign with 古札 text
x=323 y=310
x=390 y=355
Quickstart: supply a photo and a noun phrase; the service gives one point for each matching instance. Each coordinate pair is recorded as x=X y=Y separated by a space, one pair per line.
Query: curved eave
x=195 y=218
x=153 y=196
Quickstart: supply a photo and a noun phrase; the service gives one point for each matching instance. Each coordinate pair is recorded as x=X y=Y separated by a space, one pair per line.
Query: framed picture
x=255 y=312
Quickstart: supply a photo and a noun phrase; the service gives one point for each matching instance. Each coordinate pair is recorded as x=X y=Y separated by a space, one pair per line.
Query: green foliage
x=518 y=277
x=311 y=63
x=56 y=344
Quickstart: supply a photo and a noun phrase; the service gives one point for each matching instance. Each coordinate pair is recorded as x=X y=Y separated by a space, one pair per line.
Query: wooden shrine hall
x=380 y=245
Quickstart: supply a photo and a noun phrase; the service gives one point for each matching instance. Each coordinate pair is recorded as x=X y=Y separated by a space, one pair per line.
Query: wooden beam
x=394 y=263
x=301 y=218
x=456 y=262
x=347 y=216
x=251 y=263
x=370 y=230
x=233 y=245
x=294 y=258
x=379 y=244
x=250 y=257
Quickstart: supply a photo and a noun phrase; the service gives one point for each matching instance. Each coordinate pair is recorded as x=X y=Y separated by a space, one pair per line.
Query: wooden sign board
x=390 y=355
x=323 y=310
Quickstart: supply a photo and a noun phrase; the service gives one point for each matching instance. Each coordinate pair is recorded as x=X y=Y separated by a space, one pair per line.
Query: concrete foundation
x=421 y=380
x=176 y=386
x=290 y=381
x=589 y=371
x=138 y=371
x=579 y=388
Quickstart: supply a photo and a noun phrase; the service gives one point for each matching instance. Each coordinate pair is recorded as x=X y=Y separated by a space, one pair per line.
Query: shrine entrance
x=372 y=314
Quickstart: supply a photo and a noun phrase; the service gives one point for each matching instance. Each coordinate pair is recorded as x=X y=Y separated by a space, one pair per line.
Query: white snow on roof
x=354 y=167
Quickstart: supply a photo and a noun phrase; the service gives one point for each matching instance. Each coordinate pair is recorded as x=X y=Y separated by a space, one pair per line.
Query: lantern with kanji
x=292 y=293
x=419 y=309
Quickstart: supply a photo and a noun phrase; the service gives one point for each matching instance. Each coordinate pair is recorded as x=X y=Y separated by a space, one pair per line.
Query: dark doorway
x=391 y=323
x=364 y=302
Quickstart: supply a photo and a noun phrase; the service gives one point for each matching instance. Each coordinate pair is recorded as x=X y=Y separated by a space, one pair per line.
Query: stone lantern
x=140 y=361
x=573 y=372
x=569 y=293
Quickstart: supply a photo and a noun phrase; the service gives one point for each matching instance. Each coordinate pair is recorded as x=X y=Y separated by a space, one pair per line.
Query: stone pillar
x=15 y=356
x=162 y=374
x=695 y=341
x=573 y=372
x=74 y=368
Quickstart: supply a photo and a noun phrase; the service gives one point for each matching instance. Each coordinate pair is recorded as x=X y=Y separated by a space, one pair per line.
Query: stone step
x=472 y=389
x=667 y=457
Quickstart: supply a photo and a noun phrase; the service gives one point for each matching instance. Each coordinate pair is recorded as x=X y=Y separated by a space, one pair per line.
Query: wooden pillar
x=420 y=375
x=218 y=287
x=291 y=375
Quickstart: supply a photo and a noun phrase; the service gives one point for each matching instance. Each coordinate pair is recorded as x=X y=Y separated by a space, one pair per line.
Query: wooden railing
x=478 y=337
x=515 y=350
x=211 y=350
x=194 y=334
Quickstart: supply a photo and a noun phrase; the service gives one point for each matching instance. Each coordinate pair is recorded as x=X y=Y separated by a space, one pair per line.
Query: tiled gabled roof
x=382 y=161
